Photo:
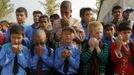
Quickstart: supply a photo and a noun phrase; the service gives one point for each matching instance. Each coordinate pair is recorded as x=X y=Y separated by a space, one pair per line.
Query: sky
x=32 y=5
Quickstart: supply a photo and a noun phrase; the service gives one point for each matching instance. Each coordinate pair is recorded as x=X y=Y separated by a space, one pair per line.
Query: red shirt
x=124 y=64
x=2 y=39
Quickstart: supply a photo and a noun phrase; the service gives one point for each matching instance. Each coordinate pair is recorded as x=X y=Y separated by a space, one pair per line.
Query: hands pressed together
x=94 y=44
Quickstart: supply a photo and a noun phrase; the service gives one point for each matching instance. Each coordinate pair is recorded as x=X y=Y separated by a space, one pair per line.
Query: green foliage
x=50 y=6
x=5 y=8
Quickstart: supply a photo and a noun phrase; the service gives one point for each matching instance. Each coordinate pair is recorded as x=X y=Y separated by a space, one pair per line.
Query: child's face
x=117 y=14
x=21 y=17
x=125 y=35
x=16 y=38
x=109 y=32
x=98 y=33
x=66 y=12
x=36 y=17
x=67 y=36
x=87 y=17
x=126 y=15
x=44 y=22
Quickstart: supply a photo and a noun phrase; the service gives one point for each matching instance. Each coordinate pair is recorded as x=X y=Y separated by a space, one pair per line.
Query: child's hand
x=16 y=48
x=65 y=20
x=96 y=42
x=69 y=53
x=119 y=42
x=91 y=43
x=40 y=50
x=66 y=53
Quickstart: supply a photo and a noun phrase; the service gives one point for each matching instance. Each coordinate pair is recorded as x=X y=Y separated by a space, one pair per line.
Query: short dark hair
x=83 y=10
x=22 y=9
x=124 y=26
x=54 y=16
x=66 y=4
x=17 y=29
x=116 y=8
x=44 y=16
x=109 y=25
x=37 y=12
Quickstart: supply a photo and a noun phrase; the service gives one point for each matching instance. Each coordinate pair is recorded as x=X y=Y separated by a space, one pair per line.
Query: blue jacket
x=7 y=59
x=74 y=60
x=47 y=59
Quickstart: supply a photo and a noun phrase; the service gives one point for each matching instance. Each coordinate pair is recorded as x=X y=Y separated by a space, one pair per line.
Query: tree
x=5 y=8
x=50 y=6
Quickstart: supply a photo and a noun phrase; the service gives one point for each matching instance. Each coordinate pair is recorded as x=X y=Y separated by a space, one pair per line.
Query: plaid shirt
x=57 y=28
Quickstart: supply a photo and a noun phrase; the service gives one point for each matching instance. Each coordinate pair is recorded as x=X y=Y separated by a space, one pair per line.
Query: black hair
x=108 y=25
x=116 y=7
x=17 y=29
x=44 y=16
x=22 y=9
x=37 y=12
x=54 y=16
x=66 y=4
x=83 y=10
x=124 y=26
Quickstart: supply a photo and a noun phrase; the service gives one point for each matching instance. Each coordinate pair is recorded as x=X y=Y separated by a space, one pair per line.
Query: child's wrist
x=98 y=50
x=91 y=49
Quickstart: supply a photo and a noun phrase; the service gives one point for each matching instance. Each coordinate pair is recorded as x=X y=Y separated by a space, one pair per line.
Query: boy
x=14 y=56
x=21 y=16
x=41 y=58
x=54 y=17
x=117 y=14
x=86 y=15
x=36 y=16
x=95 y=56
x=127 y=15
x=108 y=38
x=44 y=23
x=5 y=26
x=66 y=20
x=67 y=56
x=123 y=50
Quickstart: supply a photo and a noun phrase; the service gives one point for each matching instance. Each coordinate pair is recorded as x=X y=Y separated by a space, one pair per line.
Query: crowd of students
x=65 y=46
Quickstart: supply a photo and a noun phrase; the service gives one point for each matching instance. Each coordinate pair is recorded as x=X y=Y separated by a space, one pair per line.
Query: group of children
x=65 y=46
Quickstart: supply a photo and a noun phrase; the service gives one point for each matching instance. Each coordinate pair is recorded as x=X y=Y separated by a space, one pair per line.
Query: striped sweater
x=101 y=57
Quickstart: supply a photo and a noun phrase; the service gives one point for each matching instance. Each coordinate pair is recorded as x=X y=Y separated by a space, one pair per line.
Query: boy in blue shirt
x=67 y=56
x=21 y=16
x=14 y=56
x=41 y=58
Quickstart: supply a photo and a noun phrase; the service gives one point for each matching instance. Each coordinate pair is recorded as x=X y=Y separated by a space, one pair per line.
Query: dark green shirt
x=101 y=57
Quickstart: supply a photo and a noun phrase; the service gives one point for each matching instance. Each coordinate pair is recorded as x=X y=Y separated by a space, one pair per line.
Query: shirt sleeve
x=113 y=55
x=6 y=55
x=86 y=55
x=33 y=60
x=23 y=57
x=103 y=55
x=46 y=58
x=58 y=60
x=75 y=60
